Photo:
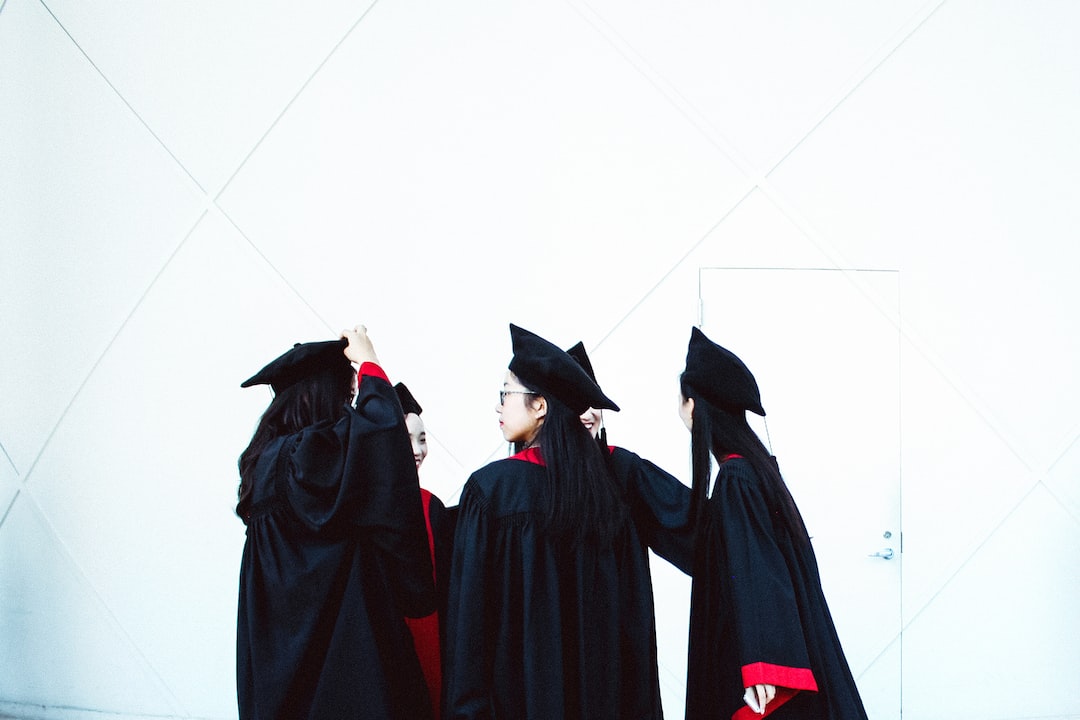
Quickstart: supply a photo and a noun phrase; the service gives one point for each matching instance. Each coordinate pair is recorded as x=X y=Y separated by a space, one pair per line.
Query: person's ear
x=540 y=407
x=686 y=412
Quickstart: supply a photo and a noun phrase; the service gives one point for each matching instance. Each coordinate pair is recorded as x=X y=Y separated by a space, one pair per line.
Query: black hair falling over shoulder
x=583 y=502
x=718 y=432
x=700 y=459
x=323 y=396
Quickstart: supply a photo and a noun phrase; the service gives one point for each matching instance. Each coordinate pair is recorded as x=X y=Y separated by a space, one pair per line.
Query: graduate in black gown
x=550 y=613
x=592 y=418
x=426 y=631
x=762 y=641
x=337 y=552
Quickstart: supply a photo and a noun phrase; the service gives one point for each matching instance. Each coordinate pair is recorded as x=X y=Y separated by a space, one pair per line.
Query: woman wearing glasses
x=550 y=613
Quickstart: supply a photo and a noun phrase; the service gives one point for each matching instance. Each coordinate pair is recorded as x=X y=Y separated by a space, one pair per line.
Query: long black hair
x=316 y=398
x=582 y=500
x=719 y=432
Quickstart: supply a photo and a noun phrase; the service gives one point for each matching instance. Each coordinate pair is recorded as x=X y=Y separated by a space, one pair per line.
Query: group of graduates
x=362 y=596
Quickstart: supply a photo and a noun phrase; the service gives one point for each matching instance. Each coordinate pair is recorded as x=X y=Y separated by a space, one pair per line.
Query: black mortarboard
x=408 y=402
x=578 y=353
x=553 y=372
x=720 y=376
x=302 y=360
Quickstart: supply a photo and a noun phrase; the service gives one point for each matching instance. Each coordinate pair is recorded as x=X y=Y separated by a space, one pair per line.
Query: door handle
x=886 y=554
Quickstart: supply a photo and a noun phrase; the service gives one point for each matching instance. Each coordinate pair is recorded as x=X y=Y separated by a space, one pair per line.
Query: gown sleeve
x=358 y=475
x=660 y=506
x=771 y=645
x=468 y=655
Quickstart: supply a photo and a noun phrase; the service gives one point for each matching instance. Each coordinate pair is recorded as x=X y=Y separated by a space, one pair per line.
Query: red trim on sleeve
x=783 y=694
x=370 y=369
x=789 y=682
x=761 y=673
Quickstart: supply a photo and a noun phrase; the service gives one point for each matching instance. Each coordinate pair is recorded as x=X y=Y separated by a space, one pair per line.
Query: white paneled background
x=186 y=189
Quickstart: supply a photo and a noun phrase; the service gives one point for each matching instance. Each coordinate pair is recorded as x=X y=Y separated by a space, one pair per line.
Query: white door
x=824 y=347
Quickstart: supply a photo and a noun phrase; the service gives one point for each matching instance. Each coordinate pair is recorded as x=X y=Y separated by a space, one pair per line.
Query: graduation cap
x=408 y=402
x=578 y=353
x=301 y=361
x=554 y=372
x=720 y=376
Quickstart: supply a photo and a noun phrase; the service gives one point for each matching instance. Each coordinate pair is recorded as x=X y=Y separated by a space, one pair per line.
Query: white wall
x=188 y=188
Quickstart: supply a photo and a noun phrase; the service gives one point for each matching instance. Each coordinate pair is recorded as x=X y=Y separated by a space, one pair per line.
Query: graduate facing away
x=550 y=609
x=762 y=641
x=337 y=552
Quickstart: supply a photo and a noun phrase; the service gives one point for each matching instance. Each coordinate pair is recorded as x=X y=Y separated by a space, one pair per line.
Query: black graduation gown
x=539 y=631
x=659 y=507
x=336 y=555
x=758 y=614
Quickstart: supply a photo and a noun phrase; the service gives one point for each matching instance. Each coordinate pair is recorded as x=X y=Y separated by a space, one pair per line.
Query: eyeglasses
x=504 y=393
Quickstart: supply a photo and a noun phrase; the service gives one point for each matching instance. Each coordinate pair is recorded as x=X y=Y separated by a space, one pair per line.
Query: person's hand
x=360 y=350
x=758 y=696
